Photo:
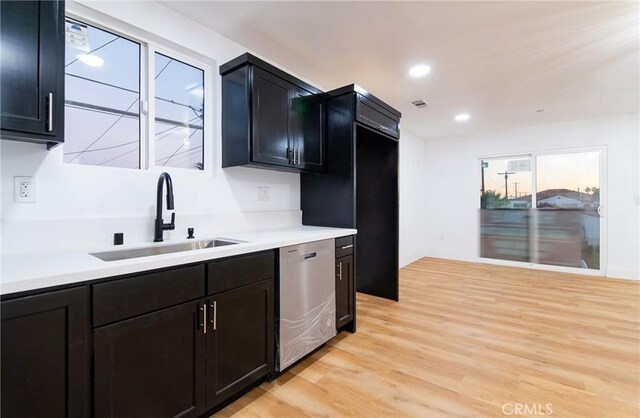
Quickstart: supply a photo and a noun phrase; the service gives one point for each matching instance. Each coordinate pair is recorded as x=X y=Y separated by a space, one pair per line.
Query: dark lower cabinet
x=344 y=291
x=45 y=357
x=32 y=71
x=173 y=342
x=152 y=365
x=240 y=339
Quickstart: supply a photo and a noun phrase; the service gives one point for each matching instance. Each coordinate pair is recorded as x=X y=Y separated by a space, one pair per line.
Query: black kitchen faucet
x=160 y=226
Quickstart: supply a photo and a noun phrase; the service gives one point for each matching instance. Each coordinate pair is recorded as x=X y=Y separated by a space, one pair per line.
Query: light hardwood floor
x=466 y=339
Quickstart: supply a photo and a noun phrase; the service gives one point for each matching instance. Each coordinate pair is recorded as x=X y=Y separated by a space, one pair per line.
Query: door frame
x=602 y=149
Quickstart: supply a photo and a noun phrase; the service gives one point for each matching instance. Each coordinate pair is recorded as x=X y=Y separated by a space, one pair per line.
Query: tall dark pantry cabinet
x=359 y=188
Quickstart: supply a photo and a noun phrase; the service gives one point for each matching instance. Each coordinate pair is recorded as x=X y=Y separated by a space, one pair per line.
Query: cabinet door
x=307 y=129
x=240 y=341
x=344 y=291
x=31 y=68
x=152 y=365
x=45 y=359
x=270 y=108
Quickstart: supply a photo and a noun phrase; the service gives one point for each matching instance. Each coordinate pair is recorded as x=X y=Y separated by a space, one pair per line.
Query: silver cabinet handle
x=50 y=112
x=344 y=247
x=340 y=270
x=204 y=318
x=215 y=315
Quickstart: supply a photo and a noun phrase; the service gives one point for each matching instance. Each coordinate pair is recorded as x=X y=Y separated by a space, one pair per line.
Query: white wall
x=80 y=207
x=452 y=183
x=77 y=199
x=412 y=197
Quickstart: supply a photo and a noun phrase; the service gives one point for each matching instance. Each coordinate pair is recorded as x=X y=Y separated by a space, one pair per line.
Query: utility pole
x=483 y=165
x=506 y=186
x=515 y=184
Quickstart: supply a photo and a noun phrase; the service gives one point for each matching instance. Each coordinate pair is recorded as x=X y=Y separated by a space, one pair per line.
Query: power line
x=105 y=148
x=123 y=113
x=181 y=153
x=132 y=115
x=164 y=68
x=105 y=132
x=102 y=83
x=193 y=108
x=118 y=156
x=106 y=111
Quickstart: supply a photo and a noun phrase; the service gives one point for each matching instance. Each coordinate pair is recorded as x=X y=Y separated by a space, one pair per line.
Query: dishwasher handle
x=310 y=255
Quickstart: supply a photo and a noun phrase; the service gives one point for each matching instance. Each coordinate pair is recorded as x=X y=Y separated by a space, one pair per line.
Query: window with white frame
x=543 y=208
x=129 y=104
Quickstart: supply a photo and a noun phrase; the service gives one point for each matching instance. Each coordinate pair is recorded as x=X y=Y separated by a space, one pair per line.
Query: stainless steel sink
x=164 y=249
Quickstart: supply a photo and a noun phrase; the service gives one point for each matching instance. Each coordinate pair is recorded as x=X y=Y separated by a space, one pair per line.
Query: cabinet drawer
x=344 y=246
x=240 y=271
x=132 y=296
x=375 y=116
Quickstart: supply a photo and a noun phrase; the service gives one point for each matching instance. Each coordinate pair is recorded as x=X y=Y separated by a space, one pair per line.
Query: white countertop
x=23 y=272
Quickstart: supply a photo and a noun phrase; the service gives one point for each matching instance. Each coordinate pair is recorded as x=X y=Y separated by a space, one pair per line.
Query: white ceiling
x=498 y=61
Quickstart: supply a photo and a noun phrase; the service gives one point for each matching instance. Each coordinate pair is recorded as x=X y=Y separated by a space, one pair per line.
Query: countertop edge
x=104 y=269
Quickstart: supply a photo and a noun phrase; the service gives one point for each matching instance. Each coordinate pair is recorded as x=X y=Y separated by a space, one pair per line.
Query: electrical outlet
x=24 y=190
x=263 y=194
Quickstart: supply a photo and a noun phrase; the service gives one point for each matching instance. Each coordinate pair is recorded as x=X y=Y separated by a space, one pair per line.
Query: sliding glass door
x=543 y=208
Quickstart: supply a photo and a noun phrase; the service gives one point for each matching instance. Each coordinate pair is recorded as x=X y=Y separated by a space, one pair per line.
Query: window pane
x=568 y=197
x=179 y=122
x=102 y=96
x=505 y=205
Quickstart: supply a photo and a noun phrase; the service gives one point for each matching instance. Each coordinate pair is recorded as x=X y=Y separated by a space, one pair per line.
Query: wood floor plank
x=466 y=339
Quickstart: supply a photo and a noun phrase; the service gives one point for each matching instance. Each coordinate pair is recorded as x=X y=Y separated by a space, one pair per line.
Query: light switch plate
x=24 y=190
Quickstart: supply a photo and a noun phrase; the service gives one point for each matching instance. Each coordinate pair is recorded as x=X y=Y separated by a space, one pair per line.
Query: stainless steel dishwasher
x=307 y=300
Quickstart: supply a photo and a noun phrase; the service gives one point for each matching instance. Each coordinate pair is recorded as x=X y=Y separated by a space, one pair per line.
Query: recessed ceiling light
x=419 y=70
x=92 y=60
x=186 y=142
x=462 y=117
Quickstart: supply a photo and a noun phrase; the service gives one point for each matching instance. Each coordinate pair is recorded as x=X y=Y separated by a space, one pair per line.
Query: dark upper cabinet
x=32 y=71
x=345 y=291
x=270 y=109
x=307 y=129
x=269 y=118
x=374 y=115
x=45 y=357
x=152 y=365
x=240 y=339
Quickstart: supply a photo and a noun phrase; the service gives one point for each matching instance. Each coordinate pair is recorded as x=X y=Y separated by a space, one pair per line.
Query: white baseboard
x=405 y=261
x=615 y=273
